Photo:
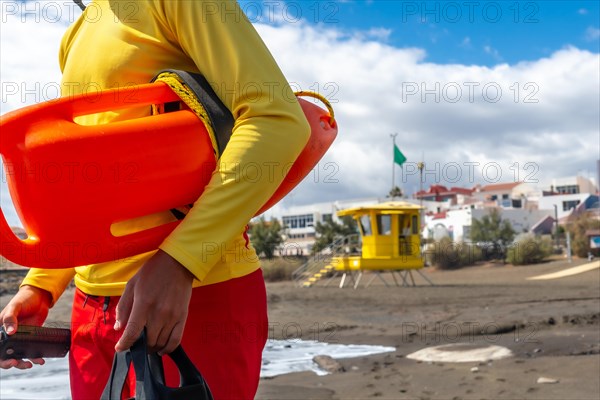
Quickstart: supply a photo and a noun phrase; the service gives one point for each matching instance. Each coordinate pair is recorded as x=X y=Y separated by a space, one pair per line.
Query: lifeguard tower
x=390 y=236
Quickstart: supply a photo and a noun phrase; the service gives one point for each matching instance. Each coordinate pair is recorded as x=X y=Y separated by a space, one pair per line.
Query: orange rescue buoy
x=70 y=183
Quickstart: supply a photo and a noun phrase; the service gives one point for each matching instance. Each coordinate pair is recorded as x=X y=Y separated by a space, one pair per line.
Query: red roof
x=440 y=215
x=458 y=190
x=440 y=190
x=497 y=187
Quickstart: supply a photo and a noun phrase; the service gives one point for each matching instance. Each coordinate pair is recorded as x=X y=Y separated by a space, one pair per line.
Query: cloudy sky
x=482 y=92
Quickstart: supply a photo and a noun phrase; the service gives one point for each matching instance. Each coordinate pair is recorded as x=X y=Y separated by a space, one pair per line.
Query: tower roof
x=390 y=207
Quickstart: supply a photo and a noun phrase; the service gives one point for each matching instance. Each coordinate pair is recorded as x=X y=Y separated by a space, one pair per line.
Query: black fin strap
x=80 y=4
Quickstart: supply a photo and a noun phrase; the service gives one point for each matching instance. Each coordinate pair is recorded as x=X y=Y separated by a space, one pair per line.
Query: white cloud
x=466 y=43
x=544 y=123
x=536 y=120
x=582 y=11
x=379 y=34
x=492 y=52
x=592 y=33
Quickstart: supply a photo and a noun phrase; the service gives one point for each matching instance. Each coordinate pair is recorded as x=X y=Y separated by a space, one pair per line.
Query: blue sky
x=464 y=32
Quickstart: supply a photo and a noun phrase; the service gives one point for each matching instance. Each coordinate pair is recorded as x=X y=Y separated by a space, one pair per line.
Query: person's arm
x=54 y=281
x=28 y=307
x=270 y=128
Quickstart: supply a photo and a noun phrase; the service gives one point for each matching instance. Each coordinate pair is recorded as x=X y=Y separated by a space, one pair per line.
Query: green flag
x=399 y=158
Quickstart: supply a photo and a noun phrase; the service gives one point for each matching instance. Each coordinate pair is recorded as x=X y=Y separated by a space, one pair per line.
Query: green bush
x=265 y=236
x=449 y=255
x=529 y=250
x=492 y=229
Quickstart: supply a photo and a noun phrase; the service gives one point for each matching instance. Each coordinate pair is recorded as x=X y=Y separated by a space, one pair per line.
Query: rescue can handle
x=11 y=246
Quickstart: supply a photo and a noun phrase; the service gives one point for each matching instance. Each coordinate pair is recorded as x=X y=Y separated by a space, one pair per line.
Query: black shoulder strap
x=220 y=117
x=80 y=4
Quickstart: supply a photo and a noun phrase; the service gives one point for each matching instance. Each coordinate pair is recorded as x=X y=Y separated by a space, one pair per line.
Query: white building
x=573 y=185
x=566 y=203
x=456 y=224
x=507 y=195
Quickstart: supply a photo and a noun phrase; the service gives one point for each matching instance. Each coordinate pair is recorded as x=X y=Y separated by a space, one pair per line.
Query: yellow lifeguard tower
x=391 y=242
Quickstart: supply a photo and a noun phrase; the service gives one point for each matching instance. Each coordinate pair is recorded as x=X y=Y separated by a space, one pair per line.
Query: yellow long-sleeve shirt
x=121 y=43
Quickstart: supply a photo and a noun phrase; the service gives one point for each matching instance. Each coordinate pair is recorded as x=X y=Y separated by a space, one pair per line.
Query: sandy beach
x=552 y=327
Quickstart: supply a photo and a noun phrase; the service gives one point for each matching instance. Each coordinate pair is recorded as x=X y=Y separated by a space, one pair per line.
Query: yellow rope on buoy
x=188 y=96
x=323 y=100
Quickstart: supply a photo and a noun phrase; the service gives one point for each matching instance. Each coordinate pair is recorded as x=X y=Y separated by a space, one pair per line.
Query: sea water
x=51 y=381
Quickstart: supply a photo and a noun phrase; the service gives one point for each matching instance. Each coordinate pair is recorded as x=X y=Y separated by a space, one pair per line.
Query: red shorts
x=224 y=336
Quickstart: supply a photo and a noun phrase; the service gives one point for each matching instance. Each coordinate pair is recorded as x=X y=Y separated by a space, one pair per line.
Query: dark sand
x=552 y=327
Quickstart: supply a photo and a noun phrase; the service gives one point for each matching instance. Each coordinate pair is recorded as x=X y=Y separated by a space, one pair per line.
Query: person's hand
x=29 y=307
x=157 y=298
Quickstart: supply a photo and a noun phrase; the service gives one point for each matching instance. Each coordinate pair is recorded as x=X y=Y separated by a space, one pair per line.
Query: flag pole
x=393 y=136
x=421 y=166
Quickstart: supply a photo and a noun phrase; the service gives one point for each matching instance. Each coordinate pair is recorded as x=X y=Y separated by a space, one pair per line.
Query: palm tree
x=395 y=192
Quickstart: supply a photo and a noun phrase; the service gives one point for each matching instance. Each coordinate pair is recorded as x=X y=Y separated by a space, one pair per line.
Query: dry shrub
x=449 y=255
x=529 y=250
